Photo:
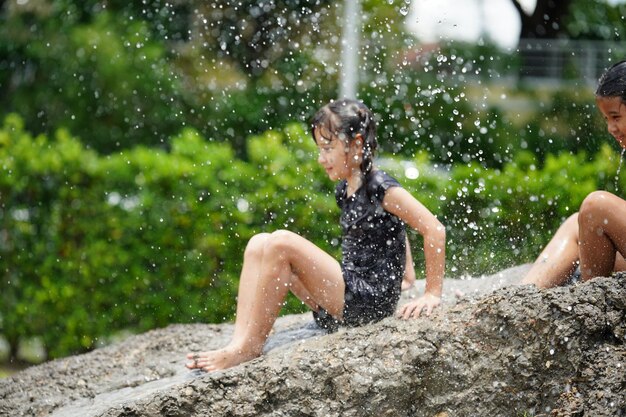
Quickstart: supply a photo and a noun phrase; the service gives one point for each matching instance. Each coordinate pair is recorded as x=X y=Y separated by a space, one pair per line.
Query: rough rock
x=515 y=351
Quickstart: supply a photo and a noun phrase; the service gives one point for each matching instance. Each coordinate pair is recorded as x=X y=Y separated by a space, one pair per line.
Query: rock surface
x=515 y=351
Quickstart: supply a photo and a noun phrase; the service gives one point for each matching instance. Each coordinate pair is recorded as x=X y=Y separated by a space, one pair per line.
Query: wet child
x=365 y=286
x=592 y=242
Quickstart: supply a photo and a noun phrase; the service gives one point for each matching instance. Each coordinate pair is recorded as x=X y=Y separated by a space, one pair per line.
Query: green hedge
x=91 y=245
x=503 y=217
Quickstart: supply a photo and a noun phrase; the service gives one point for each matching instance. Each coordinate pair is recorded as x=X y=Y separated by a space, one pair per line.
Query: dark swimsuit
x=374 y=254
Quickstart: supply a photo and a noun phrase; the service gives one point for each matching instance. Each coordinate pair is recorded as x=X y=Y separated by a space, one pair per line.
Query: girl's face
x=338 y=161
x=614 y=111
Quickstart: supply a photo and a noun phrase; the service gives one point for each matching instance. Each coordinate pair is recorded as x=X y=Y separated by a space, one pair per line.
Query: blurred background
x=143 y=143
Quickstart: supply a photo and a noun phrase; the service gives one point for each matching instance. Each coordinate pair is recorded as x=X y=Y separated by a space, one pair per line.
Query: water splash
x=619 y=168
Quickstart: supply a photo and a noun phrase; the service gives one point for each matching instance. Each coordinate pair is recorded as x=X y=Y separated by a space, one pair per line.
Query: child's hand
x=427 y=303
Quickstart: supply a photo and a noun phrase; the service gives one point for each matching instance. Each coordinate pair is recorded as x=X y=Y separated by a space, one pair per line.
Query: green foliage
x=503 y=217
x=120 y=74
x=106 y=80
x=596 y=19
x=420 y=113
x=93 y=245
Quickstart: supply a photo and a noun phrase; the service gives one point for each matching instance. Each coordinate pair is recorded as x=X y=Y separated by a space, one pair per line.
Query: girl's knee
x=279 y=243
x=570 y=226
x=572 y=220
x=593 y=205
x=256 y=245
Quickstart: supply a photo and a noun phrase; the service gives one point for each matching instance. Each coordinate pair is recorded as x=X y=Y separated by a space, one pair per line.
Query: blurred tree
x=124 y=73
x=90 y=68
x=252 y=66
x=600 y=21
x=254 y=35
x=546 y=19
x=578 y=19
x=119 y=74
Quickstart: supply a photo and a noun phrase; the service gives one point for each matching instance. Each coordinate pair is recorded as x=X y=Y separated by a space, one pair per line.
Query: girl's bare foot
x=216 y=360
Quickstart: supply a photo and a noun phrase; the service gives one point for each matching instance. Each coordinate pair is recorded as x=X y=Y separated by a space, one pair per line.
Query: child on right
x=591 y=242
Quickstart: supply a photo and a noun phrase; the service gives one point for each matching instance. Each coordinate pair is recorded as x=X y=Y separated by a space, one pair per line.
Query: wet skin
x=339 y=160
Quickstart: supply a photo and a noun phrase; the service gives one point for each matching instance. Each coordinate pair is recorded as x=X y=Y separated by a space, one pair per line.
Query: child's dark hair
x=613 y=82
x=344 y=119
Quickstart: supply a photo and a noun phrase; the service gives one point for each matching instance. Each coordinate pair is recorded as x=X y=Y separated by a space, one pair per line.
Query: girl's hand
x=427 y=303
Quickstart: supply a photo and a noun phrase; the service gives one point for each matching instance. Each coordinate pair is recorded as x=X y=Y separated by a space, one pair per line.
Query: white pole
x=350 y=48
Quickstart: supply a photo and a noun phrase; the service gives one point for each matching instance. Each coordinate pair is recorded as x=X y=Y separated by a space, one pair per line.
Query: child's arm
x=400 y=202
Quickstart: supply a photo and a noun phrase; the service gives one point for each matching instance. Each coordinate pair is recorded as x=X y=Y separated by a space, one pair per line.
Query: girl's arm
x=400 y=202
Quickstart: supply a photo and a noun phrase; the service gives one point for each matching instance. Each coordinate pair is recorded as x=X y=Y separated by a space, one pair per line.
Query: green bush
x=92 y=245
x=503 y=217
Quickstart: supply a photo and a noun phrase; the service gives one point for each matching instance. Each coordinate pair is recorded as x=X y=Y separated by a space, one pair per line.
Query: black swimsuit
x=374 y=253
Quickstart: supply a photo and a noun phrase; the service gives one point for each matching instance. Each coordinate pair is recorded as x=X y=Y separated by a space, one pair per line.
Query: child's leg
x=248 y=281
x=285 y=256
x=248 y=278
x=558 y=259
x=602 y=224
x=252 y=258
x=300 y=291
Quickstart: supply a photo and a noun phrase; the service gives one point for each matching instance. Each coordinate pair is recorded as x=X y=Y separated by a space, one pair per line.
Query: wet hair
x=343 y=120
x=613 y=82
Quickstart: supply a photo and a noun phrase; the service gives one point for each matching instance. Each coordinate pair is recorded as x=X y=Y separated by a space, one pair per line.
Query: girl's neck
x=354 y=181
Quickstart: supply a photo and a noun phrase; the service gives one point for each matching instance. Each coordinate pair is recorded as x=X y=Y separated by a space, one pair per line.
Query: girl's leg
x=248 y=281
x=602 y=223
x=558 y=259
x=300 y=291
x=285 y=256
x=252 y=258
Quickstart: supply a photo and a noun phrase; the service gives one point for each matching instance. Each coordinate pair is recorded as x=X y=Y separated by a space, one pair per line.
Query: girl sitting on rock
x=365 y=287
x=592 y=242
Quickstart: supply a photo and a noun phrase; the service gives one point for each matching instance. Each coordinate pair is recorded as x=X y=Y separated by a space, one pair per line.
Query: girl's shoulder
x=378 y=182
x=379 y=175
